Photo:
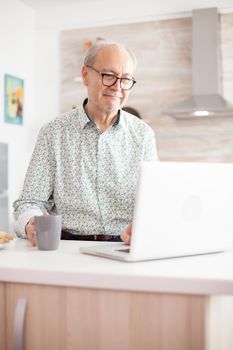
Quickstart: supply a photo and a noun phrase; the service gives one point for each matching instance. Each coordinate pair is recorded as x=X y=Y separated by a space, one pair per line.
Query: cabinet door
x=2 y=316
x=44 y=320
x=79 y=318
x=110 y=319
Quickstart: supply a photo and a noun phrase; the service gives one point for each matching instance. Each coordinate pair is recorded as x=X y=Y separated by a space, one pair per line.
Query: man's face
x=112 y=60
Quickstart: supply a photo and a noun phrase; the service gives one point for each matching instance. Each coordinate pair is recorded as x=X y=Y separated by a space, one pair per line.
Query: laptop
x=181 y=209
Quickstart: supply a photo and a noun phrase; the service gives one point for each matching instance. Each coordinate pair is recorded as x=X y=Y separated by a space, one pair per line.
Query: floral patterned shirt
x=87 y=176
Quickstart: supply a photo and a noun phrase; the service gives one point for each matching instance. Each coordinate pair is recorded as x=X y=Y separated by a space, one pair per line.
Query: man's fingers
x=125 y=237
x=32 y=238
x=31 y=233
x=126 y=234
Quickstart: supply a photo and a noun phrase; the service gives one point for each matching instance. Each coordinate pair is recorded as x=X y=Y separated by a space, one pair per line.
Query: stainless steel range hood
x=206 y=99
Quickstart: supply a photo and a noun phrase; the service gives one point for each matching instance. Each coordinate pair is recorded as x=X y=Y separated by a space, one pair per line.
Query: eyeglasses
x=111 y=79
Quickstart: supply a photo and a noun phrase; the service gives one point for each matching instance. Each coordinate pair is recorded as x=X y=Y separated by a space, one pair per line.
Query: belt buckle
x=102 y=237
x=108 y=237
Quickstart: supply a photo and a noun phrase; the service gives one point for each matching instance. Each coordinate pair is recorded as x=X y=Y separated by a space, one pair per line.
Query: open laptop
x=181 y=209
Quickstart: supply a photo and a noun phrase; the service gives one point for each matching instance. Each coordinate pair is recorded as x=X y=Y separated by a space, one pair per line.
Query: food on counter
x=5 y=237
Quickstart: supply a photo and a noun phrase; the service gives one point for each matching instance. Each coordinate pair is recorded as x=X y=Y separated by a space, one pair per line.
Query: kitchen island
x=69 y=300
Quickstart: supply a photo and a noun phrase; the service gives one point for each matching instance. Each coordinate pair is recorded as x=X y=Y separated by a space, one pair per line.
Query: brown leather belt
x=70 y=236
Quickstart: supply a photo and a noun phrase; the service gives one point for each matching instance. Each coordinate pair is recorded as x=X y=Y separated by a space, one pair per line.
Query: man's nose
x=117 y=85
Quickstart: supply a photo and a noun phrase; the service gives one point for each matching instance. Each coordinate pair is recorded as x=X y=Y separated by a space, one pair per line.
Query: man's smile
x=113 y=96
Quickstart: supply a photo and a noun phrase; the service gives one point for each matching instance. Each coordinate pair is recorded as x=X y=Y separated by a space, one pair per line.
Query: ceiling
x=37 y=4
x=177 y=5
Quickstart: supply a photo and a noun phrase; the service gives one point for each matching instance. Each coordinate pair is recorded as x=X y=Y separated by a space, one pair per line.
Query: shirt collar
x=84 y=119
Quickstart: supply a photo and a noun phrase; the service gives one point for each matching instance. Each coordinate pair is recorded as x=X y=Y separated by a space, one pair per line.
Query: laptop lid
x=180 y=209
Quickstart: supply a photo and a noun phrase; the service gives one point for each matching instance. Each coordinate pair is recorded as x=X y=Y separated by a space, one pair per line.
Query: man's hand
x=31 y=232
x=126 y=234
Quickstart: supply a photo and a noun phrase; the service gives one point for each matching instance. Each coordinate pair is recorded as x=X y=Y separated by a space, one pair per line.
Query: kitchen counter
x=67 y=266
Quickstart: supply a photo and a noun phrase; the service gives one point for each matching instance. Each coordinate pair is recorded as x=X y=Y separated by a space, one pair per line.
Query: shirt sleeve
x=37 y=194
x=150 y=149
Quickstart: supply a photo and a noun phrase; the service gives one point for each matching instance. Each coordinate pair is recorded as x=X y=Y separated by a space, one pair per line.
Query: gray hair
x=99 y=44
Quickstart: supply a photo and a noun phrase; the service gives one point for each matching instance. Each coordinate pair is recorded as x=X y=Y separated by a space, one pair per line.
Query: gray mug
x=48 y=231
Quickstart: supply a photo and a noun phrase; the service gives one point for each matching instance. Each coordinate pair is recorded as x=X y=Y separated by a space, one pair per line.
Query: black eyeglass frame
x=112 y=75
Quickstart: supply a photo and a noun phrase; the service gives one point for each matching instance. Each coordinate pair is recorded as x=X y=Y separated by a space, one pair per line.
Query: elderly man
x=85 y=163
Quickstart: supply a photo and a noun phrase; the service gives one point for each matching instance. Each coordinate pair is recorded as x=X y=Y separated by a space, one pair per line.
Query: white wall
x=51 y=21
x=17 y=48
x=29 y=49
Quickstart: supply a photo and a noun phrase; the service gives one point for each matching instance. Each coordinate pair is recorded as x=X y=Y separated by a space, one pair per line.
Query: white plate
x=4 y=245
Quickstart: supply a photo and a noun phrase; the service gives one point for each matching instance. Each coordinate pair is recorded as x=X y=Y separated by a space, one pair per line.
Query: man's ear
x=84 y=75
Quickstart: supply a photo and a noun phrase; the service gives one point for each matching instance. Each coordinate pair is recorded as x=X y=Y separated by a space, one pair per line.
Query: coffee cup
x=48 y=231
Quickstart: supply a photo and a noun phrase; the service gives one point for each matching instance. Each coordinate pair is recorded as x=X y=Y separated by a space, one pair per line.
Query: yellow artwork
x=14 y=93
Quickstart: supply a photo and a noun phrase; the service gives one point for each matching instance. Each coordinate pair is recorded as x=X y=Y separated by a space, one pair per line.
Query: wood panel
x=45 y=316
x=135 y=321
x=73 y=318
x=2 y=316
x=163 y=50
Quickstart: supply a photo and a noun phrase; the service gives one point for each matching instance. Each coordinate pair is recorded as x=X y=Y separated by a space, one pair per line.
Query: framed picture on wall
x=14 y=95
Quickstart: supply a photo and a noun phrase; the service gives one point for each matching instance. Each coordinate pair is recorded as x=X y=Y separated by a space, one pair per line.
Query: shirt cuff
x=21 y=222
